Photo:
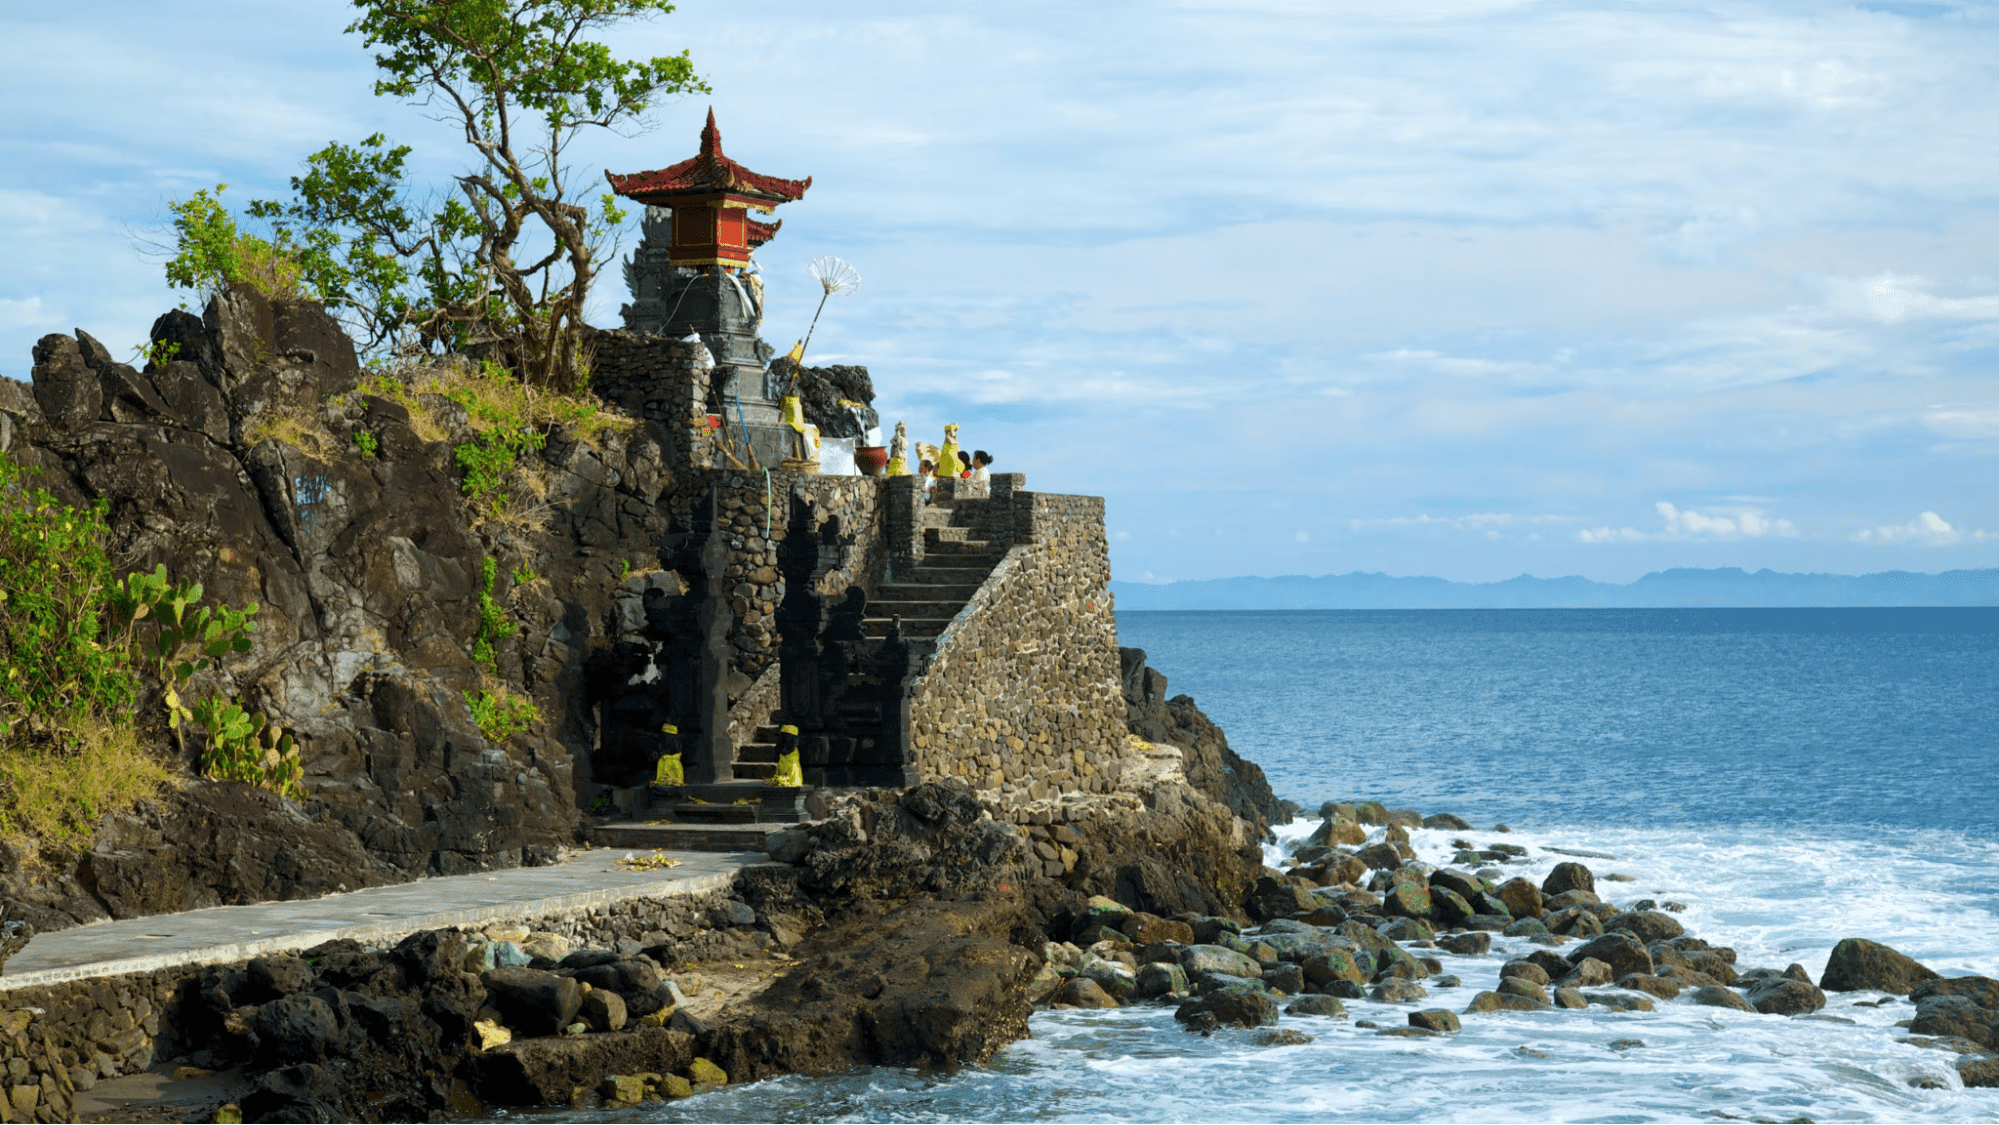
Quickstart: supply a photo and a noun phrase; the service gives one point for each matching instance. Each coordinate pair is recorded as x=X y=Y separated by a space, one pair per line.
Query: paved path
x=378 y=915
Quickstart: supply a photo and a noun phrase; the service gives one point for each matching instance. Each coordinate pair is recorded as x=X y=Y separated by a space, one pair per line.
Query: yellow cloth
x=897 y=467
x=947 y=457
x=669 y=772
x=788 y=775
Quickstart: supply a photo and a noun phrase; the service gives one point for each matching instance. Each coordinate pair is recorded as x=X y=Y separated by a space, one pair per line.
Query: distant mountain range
x=1665 y=589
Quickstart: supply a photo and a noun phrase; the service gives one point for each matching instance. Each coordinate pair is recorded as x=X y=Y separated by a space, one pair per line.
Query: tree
x=510 y=256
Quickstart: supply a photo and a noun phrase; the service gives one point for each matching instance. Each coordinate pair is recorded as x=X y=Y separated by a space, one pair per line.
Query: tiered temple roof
x=709 y=173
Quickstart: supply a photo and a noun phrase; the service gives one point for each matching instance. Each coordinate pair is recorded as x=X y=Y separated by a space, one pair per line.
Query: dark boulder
x=1983 y=991
x=1228 y=1007
x=1645 y=925
x=533 y=1001
x=1961 y=1016
x=1440 y=1020
x=1315 y=1006
x=1783 y=996
x=1522 y=898
x=1568 y=877
x=1716 y=996
x=1467 y=944
x=1621 y=951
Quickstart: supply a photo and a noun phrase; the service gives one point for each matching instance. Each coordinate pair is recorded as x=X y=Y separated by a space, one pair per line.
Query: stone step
x=912 y=610
x=919 y=629
x=754 y=770
x=926 y=591
x=706 y=802
x=957 y=570
x=687 y=837
x=935 y=534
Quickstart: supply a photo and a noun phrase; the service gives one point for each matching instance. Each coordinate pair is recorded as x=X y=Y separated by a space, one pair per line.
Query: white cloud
x=1740 y=523
x=1487 y=521
x=1926 y=530
x=1964 y=423
x=1891 y=299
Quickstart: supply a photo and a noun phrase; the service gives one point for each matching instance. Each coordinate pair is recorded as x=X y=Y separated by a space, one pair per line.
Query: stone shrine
x=692 y=275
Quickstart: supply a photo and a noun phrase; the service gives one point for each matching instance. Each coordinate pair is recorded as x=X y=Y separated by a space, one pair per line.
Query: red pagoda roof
x=705 y=174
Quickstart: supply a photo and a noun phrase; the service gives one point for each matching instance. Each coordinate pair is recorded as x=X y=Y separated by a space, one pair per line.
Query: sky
x=1467 y=288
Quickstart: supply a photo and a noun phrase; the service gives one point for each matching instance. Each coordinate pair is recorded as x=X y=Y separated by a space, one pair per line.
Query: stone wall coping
x=377 y=915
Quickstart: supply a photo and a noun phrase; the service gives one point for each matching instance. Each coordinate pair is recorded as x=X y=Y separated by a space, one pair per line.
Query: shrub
x=500 y=713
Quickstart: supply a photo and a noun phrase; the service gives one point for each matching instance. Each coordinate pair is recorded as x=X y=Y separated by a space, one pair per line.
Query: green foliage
x=156 y=354
x=493 y=624
x=245 y=746
x=211 y=254
x=524 y=574
x=61 y=669
x=521 y=79
x=500 y=713
x=624 y=569
x=367 y=442
x=183 y=643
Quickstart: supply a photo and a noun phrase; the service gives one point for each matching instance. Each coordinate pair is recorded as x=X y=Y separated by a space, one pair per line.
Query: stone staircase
x=742 y=814
x=926 y=598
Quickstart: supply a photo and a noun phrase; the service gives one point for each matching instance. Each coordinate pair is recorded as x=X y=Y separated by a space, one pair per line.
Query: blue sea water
x=1780 y=717
x=1792 y=776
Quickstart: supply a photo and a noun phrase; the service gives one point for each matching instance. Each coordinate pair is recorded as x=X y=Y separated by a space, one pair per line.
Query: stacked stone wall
x=1023 y=695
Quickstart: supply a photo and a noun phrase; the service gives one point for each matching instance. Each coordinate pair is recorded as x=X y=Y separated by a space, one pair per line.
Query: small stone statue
x=898 y=451
x=947 y=457
x=13 y=935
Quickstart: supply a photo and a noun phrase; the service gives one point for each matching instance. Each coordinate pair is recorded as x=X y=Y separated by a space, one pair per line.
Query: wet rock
x=533 y=1001
x=1449 y=907
x=1570 y=901
x=1466 y=944
x=1440 y=1020
x=1230 y=1007
x=1282 y=1037
x=1145 y=929
x=1626 y=1044
x=1158 y=979
x=1408 y=929
x=1978 y=1070
x=1983 y=991
x=1645 y=925
x=1082 y=992
x=1662 y=987
x=1552 y=963
x=1785 y=997
x=546 y=1071
x=1621 y=951
x=1621 y=1001
x=1528 y=927
x=1398 y=992
x=1587 y=972
x=1522 y=898
x=1960 y=1016
x=1286 y=978
x=603 y=1010
x=1380 y=857
x=1315 y=1006
x=1504 y=1002
x=1518 y=986
x=1335 y=965
x=1857 y=964
x=1570 y=998
x=1524 y=970
x=1197 y=959
x=1715 y=996
x=1446 y=820
x=1568 y=877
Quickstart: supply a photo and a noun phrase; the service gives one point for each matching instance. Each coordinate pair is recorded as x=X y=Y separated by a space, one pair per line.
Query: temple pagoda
x=692 y=275
x=711 y=197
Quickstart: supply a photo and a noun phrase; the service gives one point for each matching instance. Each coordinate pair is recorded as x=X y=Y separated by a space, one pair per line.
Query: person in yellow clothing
x=947 y=457
x=788 y=774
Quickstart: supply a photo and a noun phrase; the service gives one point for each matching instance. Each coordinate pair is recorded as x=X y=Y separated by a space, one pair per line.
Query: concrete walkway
x=378 y=915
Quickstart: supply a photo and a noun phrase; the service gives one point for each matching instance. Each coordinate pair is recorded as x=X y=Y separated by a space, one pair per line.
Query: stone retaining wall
x=1023 y=695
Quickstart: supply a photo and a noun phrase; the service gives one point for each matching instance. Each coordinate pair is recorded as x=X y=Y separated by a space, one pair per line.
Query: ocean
x=1792 y=776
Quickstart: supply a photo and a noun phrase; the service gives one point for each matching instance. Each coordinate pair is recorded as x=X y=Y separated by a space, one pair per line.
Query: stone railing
x=1022 y=693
